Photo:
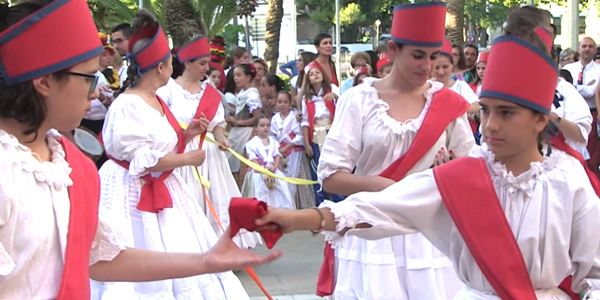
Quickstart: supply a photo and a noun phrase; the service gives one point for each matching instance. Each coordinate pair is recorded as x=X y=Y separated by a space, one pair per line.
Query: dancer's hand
x=308 y=150
x=226 y=255
x=197 y=127
x=443 y=156
x=284 y=218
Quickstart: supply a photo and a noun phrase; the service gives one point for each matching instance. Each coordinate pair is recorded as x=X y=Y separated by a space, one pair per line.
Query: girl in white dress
x=145 y=143
x=376 y=124
x=242 y=113
x=548 y=205
x=184 y=97
x=52 y=239
x=286 y=130
x=264 y=150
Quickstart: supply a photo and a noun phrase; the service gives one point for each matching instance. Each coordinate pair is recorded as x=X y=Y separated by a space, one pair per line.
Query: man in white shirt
x=586 y=74
x=120 y=41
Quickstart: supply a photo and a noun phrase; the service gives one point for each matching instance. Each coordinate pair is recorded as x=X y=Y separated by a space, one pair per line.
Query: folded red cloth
x=243 y=213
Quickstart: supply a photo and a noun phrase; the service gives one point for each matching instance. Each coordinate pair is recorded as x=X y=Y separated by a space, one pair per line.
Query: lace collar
x=55 y=172
x=367 y=91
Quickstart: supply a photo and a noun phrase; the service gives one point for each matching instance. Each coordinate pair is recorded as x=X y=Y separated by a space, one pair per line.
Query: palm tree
x=182 y=21
x=215 y=14
x=274 y=17
x=455 y=21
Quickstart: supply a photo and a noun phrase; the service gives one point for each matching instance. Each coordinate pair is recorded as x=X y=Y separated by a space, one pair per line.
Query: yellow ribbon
x=262 y=170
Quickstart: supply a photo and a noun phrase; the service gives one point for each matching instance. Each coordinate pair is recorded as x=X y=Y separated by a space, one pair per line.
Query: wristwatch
x=558 y=119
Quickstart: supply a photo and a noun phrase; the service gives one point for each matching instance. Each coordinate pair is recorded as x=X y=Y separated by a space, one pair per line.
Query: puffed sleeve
x=253 y=101
x=126 y=135
x=304 y=122
x=585 y=242
x=576 y=110
x=460 y=136
x=344 y=140
x=109 y=241
x=467 y=92
x=249 y=148
x=408 y=206
x=165 y=92
x=218 y=119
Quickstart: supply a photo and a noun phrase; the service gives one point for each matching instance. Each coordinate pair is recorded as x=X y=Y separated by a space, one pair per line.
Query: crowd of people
x=436 y=171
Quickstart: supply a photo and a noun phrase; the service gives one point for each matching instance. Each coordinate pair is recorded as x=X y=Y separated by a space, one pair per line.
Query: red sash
x=209 y=105
x=559 y=143
x=468 y=193
x=446 y=107
x=310 y=110
x=84 y=195
x=155 y=195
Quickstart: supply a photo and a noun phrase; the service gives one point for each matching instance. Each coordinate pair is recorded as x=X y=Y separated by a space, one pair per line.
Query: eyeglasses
x=93 y=77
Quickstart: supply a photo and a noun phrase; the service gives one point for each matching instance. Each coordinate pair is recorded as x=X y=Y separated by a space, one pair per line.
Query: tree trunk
x=274 y=18
x=182 y=22
x=455 y=21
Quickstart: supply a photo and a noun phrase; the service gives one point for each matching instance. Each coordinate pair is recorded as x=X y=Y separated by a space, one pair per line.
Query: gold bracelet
x=321 y=221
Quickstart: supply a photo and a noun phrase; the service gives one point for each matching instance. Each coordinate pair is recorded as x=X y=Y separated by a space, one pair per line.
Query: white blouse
x=34 y=221
x=321 y=110
x=365 y=140
x=551 y=208
x=281 y=128
x=574 y=108
x=257 y=151
x=123 y=139
x=463 y=89
x=248 y=97
x=184 y=104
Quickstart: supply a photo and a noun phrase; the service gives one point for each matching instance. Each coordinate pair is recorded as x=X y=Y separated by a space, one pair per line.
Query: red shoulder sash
x=468 y=193
x=84 y=195
x=446 y=107
x=209 y=105
x=559 y=143
x=310 y=110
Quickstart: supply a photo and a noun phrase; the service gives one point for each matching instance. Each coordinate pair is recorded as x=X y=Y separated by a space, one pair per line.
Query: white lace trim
x=107 y=244
x=55 y=172
x=345 y=217
x=398 y=128
x=525 y=182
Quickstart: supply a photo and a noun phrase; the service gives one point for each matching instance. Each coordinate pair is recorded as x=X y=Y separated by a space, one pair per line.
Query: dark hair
x=462 y=63
x=449 y=56
x=472 y=46
x=261 y=117
x=21 y=102
x=229 y=82
x=178 y=67
x=566 y=75
x=307 y=57
x=320 y=37
x=125 y=28
x=237 y=52
x=143 y=20
x=522 y=22
x=274 y=80
x=289 y=96
x=374 y=59
x=248 y=69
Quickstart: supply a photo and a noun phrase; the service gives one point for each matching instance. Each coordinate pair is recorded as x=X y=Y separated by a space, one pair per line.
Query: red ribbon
x=243 y=213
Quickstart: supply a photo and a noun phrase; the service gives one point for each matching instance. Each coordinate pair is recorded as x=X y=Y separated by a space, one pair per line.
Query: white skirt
x=238 y=137
x=405 y=267
x=182 y=228
x=279 y=196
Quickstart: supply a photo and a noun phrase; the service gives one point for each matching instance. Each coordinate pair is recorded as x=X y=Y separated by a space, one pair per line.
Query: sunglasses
x=93 y=77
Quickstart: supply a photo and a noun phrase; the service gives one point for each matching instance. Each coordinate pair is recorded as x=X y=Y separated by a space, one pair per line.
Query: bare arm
x=143 y=265
x=344 y=183
x=176 y=160
x=568 y=128
x=249 y=122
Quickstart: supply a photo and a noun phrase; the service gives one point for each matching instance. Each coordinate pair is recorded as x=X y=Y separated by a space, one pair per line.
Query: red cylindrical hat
x=30 y=48
x=152 y=54
x=197 y=48
x=521 y=73
x=446 y=47
x=483 y=56
x=546 y=37
x=421 y=24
